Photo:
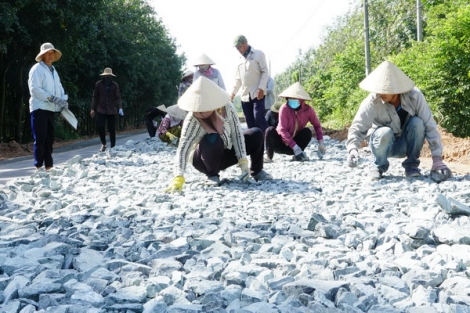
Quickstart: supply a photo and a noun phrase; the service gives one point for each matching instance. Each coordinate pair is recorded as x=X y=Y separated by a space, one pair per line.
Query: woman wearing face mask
x=212 y=138
x=291 y=136
x=204 y=65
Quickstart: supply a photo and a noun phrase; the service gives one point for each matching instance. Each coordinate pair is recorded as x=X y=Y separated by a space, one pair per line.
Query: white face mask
x=203 y=68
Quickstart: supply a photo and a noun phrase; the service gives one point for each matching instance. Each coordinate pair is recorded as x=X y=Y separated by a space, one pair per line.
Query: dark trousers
x=149 y=117
x=254 y=113
x=152 y=130
x=274 y=141
x=43 y=127
x=210 y=156
x=100 y=124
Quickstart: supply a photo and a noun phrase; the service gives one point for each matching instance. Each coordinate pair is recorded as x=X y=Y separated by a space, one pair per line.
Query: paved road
x=23 y=166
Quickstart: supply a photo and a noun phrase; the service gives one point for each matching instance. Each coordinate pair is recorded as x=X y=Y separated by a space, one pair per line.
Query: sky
x=279 y=28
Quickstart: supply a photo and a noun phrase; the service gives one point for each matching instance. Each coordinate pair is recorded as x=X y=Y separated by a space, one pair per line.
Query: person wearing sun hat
x=212 y=138
x=153 y=117
x=47 y=97
x=292 y=136
x=398 y=119
x=272 y=116
x=106 y=102
x=186 y=81
x=204 y=65
x=170 y=127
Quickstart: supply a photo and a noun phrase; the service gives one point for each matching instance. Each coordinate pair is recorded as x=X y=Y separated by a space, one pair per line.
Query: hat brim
x=387 y=79
x=203 y=96
x=57 y=54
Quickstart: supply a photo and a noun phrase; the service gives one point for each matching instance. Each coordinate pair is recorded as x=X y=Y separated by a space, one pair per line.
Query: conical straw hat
x=203 y=96
x=176 y=112
x=387 y=79
x=295 y=91
x=203 y=59
x=162 y=107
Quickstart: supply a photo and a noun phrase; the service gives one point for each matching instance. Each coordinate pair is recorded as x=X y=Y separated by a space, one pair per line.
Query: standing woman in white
x=47 y=97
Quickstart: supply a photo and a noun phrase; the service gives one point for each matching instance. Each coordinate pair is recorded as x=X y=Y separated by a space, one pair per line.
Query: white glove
x=353 y=158
x=321 y=149
x=297 y=150
x=121 y=112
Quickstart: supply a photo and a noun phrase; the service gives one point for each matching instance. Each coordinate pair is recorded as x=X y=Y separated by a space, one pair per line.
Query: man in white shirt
x=251 y=80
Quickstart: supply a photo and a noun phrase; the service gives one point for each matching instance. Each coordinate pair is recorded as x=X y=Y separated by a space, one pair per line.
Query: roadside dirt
x=456 y=150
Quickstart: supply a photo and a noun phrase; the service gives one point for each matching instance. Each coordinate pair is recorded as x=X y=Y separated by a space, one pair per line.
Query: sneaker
x=262 y=175
x=412 y=171
x=301 y=157
x=267 y=159
x=103 y=148
x=213 y=180
x=374 y=173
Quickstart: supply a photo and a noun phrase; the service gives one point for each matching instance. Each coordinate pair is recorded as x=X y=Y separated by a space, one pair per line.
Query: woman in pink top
x=291 y=136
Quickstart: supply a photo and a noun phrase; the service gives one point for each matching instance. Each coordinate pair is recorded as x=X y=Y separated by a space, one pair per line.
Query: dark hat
x=239 y=40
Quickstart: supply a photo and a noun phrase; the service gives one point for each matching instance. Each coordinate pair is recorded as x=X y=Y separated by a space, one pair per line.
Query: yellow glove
x=243 y=163
x=176 y=185
x=170 y=135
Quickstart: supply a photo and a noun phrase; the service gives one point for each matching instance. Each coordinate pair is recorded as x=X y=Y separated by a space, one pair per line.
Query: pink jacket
x=291 y=122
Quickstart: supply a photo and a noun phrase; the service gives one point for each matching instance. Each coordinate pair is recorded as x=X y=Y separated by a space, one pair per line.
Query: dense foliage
x=125 y=35
x=439 y=65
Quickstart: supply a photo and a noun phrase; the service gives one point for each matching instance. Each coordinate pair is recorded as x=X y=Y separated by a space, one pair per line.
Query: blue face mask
x=293 y=103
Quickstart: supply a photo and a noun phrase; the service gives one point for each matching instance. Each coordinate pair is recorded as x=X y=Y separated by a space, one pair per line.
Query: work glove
x=92 y=113
x=171 y=136
x=176 y=185
x=353 y=158
x=299 y=155
x=297 y=150
x=439 y=171
x=243 y=163
x=321 y=149
x=62 y=104
x=121 y=112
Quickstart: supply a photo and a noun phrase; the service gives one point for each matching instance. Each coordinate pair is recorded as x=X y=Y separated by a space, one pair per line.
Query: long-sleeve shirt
x=193 y=133
x=252 y=74
x=167 y=122
x=292 y=121
x=42 y=84
x=374 y=113
x=215 y=76
x=106 y=99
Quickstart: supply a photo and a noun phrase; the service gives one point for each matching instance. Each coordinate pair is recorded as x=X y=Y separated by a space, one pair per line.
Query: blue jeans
x=384 y=144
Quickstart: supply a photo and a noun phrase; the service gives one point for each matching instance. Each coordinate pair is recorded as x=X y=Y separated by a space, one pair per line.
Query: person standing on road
x=398 y=119
x=47 y=97
x=251 y=79
x=106 y=102
x=204 y=64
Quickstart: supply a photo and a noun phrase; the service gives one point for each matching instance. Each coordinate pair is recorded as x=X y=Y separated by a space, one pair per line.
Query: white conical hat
x=203 y=59
x=162 y=107
x=203 y=96
x=176 y=112
x=387 y=79
x=187 y=73
x=295 y=91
